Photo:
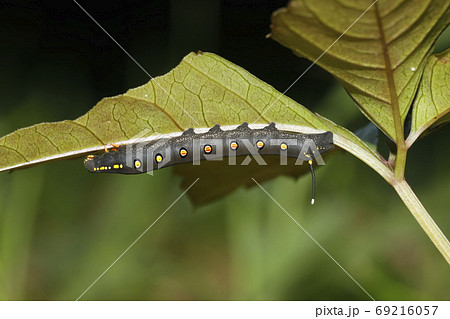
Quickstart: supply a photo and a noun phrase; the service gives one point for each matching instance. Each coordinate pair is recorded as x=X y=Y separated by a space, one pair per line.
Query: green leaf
x=432 y=105
x=204 y=88
x=379 y=59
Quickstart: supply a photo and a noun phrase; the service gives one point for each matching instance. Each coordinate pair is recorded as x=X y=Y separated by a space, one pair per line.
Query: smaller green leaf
x=432 y=105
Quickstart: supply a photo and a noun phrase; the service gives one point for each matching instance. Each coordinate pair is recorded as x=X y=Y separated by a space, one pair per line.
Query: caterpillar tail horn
x=313 y=175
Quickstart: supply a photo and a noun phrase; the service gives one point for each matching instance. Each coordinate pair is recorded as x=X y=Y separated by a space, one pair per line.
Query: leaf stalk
x=423 y=218
x=405 y=192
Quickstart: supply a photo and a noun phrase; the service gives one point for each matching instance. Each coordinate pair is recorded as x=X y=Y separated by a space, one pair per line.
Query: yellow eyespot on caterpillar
x=260 y=144
x=158 y=158
x=283 y=146
x=207 y=149
x=137 y=164
x=183 y=152
x=234 y=145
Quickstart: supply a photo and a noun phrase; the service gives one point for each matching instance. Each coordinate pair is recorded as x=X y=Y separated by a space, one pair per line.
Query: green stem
x=400 y=159
x=423 y=218
x=404 y=191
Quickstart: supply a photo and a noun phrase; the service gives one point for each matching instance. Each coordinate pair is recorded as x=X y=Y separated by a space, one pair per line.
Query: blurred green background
x=61 y=227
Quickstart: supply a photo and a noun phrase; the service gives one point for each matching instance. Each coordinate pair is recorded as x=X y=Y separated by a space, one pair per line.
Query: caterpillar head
x=113 y=162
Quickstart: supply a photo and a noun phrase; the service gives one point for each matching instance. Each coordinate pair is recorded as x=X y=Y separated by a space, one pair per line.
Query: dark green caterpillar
x=215 y=144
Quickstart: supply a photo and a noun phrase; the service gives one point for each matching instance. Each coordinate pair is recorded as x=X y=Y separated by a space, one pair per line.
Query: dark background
x=61 y=227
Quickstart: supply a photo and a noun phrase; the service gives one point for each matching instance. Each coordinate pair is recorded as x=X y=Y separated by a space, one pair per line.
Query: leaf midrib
x=390 y=78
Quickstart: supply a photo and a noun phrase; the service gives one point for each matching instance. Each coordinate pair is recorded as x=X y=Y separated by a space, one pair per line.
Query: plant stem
x=400 y=185
x=400 y=159
x=404 y=191
x=423 y=218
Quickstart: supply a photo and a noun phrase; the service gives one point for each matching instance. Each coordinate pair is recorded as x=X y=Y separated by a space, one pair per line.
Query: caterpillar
x=214 y=144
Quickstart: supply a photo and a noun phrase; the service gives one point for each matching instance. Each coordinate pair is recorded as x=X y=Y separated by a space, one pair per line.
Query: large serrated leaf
x=380 y=53
x=204 y=89
x=432 y=104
